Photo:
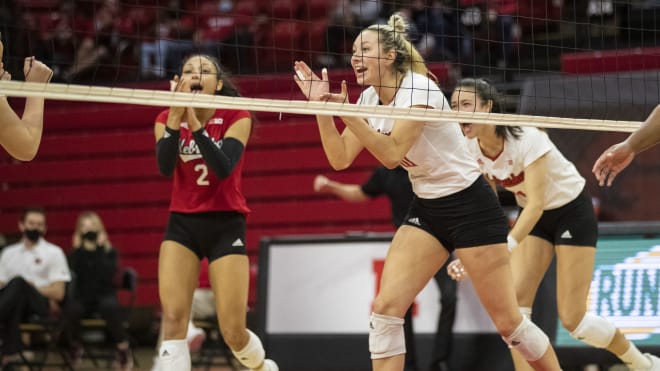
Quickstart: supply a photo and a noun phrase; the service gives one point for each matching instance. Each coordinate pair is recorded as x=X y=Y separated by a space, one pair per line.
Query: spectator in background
x=223 y=33
x=492 y=22
x=171 y=41
x=616 y=158
x=396 y=186
x=346 y=21
x=94 y=264
x=99 y=42
x=21 y=136
x=431 y=30
x=33 y=277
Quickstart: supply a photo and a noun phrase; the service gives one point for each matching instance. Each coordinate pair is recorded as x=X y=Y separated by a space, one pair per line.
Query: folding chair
x=95 y=339
x=41 y=335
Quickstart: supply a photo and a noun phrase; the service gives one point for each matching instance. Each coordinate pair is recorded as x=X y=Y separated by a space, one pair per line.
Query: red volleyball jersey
x=196 y=187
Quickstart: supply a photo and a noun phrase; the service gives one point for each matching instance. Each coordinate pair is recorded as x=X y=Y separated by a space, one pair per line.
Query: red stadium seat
x=282 y=10
x=611 y=61
x=318 y=9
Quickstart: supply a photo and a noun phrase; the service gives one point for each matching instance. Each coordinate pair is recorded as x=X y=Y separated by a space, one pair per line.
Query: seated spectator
x=93 y=262
x=170 y=41
x=346 y=21
x=224 y=33
x=33 y=277
x=99 y=42
x=492 y=22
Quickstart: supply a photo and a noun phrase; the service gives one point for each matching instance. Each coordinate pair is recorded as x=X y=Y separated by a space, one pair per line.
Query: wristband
x=511 y=243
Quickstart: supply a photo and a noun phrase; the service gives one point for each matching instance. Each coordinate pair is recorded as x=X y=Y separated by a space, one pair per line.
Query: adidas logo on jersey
x=238 y=242
x=566 y=234
x=165 y=353
x=414 y=221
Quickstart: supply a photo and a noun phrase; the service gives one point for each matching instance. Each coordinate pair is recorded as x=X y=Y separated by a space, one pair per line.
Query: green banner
x=625 y=288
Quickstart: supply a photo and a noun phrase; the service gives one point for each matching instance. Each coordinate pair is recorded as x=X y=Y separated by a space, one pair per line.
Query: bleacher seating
x=604 y=61
x=102 y=157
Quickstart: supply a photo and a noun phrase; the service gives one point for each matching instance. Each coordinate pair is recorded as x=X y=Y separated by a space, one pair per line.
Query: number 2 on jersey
x=204 y=172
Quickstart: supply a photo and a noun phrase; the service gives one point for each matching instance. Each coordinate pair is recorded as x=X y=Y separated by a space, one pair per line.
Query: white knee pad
x=253 y=354
x=526 y=312
x=595 y=331
x=529 y=340
x=386 y=337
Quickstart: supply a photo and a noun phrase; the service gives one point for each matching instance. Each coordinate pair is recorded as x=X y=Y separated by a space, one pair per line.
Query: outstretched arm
x=21 y=136
x=345 y=191
x=619 y=156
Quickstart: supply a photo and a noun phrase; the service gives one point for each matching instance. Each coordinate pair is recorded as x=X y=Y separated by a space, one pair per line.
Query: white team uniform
x=438 y=164
x=563 y=182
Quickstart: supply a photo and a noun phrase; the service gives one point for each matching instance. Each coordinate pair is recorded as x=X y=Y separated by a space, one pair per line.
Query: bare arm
x=535 y=193
x=391 y=149
x=648 y=134
x=345 y=191
x=616 y=158
x=54 y=291
x=21 y=136
x=340 y=148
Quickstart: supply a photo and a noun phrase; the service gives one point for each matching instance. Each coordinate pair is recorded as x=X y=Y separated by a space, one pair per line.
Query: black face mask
x=90 y=236
x=33 y=234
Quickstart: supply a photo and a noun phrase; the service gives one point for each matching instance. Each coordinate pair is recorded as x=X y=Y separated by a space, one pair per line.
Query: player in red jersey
x=202 y=149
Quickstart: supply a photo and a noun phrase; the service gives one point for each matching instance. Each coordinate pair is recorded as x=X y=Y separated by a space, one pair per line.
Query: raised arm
x=616 y=158
x=21 y=136
x=341 y=149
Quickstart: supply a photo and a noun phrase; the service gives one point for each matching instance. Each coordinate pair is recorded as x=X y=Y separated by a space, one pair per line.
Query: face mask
x=32 y=234
x=90 y=236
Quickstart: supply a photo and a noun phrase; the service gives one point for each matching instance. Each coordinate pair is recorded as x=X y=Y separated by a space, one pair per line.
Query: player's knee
x=528 y=340
x=174 y=323
x=234 y=338
x=386 y=336
x=595 y=331
x=253 y=354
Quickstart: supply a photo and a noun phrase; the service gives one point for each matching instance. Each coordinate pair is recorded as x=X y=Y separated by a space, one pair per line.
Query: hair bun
x=398 y=23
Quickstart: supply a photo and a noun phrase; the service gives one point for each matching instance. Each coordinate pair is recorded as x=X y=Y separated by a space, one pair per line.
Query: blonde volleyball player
x=557 y=218
x=453 y=209
x=620 y=155
x=202 y=149
x=20 y=136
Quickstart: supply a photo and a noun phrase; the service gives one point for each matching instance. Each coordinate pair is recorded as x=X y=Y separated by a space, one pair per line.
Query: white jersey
x=563 y=183
x=42 y=264
x=438 y=164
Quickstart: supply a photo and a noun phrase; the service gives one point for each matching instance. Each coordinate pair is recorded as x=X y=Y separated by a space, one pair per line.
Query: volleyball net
x=575 y=64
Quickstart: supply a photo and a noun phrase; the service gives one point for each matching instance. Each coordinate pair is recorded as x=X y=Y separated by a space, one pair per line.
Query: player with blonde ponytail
x=454 y=209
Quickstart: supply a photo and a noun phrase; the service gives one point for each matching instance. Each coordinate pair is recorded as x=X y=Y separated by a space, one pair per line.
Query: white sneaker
x=655 y=362
x=195 y=338
x=269 y=365
x=156 y=366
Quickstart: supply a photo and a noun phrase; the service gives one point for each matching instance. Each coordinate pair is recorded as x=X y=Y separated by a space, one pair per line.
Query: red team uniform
x=195 y=187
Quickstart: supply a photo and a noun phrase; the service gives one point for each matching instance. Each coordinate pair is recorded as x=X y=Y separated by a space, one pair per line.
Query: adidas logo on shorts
x=566 y=234
x=238 y=242
x=414 y=221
